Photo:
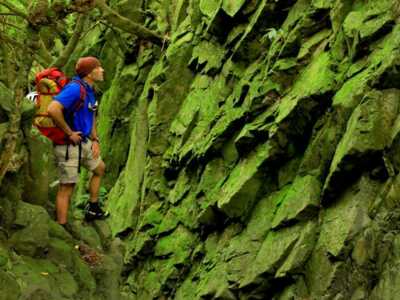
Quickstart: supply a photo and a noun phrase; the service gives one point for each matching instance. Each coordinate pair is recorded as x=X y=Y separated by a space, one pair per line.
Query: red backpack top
x=49 y=83
x=53 y=74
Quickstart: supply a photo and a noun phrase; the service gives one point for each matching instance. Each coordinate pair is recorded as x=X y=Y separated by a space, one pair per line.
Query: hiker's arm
x=95 y=139
x=93 y=134
x=55 y=111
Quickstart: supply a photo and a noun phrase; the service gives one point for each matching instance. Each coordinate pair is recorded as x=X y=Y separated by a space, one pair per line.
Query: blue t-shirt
x=69 y=97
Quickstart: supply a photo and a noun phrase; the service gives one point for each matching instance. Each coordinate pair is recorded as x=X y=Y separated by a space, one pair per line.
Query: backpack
x=49 y=83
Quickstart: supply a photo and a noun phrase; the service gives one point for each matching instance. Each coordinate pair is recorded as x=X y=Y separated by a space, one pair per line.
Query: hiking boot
x=94 y=212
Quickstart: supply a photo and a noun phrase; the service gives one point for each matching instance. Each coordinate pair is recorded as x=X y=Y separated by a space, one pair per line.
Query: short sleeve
x=69 y=95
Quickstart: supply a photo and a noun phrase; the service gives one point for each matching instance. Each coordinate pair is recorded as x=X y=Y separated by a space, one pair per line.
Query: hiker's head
x=89 y=68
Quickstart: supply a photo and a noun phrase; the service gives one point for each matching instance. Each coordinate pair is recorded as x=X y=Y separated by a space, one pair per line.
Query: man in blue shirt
x=75 y=115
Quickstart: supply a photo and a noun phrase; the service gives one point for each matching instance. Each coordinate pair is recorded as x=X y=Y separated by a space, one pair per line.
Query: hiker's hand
x=95 y=149
x=75 y=137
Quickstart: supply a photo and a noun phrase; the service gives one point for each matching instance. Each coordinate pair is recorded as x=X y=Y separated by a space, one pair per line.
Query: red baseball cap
x=85 y=65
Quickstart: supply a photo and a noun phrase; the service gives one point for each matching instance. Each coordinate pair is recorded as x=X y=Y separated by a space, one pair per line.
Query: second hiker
x=75 y=115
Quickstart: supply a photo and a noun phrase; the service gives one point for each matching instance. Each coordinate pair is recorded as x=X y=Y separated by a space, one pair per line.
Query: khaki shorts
x=68 y=169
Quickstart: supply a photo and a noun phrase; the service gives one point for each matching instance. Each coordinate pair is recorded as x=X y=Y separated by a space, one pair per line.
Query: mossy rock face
x=9 y=286
x=40 y=278
x=61 y=252
x=42 y=169
x=301 y=202
x=34 y=235
x=86 y=234
x=387 y=287
x=369 y=131
x=268 y=146
x=41 y=260
x=7 y=97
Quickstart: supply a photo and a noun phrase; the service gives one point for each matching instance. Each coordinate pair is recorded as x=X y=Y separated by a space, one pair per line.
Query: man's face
x=97 y=74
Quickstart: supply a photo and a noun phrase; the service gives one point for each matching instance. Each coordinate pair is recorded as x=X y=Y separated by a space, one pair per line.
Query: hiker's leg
x=62 y=202
x=95 y=181
x=93 y=210
x=67 y=162
x=96 y=166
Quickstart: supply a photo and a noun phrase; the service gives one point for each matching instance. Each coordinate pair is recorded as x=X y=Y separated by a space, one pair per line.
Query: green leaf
x=323 y=3
x=210 y=7
x=313 y=41
x=231 y=7
x=209 y=52
x=252 y=22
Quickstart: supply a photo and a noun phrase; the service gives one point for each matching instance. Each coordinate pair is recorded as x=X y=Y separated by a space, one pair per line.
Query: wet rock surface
x=269 y=170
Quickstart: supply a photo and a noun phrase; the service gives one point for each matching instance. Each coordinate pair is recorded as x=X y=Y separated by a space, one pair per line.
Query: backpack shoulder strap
x=79 y=104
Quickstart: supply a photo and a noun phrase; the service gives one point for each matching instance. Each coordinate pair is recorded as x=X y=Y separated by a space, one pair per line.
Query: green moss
x=151 y=282
x=346 y=217
x=4 y=257
x=231 y=7
x=368 y=19
x=153 y=216
x=169 y=14
x=352 y=90
x=323 y=3
x=379 y=60
x=241 y=250
x=297 y=290
x=208 y=53
x=6 y=97
x=210 y=7
x=168 y=98
x=387 y=287
x=287 y=173
x=60 y=252
x=211 y=277
x=10 y=289
x=313 y=41
x=323 y=276
x=86 y=233
x=41 y=169
x=301 y=202
x=218 y=115
x=181 y=187
x=187 y=213
x=34 y=236
x=58 y=232
x=115 y=117
x=233 y=195
x=179 y=40
x=214 y=172
x=368 y=130
x=262 y=216
x=319 y=153
x=316 y=79
x=170 y=254
x=215 y=283
x=217 y=186
x=179 y=244
x=196 y=115
x=301 y=250
x=273 y=252
x=254 y=18
x=140 y=243
x=122 y=200
x=41 y=276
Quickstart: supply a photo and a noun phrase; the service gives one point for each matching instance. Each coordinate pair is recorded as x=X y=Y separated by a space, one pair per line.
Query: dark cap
x=85 y=65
